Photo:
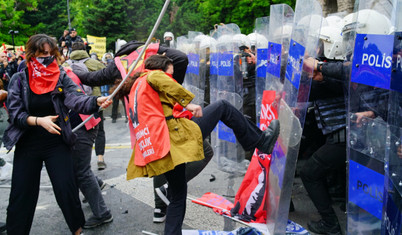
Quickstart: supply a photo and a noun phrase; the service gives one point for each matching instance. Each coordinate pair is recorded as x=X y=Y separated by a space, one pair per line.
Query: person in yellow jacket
x=186 y=130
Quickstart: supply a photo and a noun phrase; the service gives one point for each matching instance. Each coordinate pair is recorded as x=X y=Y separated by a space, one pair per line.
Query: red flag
x=251 y=197
x=218 y=203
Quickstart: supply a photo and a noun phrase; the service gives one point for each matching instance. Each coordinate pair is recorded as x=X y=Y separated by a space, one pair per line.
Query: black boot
x=328 y=225
x=269 y=136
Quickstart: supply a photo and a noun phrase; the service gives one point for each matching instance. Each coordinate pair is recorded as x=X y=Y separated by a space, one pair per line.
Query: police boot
x=327 y=225
x=268 y=139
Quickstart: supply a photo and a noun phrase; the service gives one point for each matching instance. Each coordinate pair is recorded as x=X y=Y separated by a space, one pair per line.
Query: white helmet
x=119 y=44
x=170 y=43
x=332 y=42
x=207 y=42
x=284 y=31
x=334 y=21
x=198 y=39
x=107 y=54
x=224 y=40
x=241 y=40
x=366 y=21
x=168 y=34
x=258 y=40
x=313 y=21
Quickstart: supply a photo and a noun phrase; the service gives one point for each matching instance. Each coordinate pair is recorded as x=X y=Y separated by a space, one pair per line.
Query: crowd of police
x=347 y=98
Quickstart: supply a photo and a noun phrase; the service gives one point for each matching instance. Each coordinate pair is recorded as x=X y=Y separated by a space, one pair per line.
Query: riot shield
x=280 y=29
x=292 y=91
x=228 y=152
x=392 y=205
x=366 y=33
x=182 y=44
x=207 y=50
x=261 y=52
x=194 y=82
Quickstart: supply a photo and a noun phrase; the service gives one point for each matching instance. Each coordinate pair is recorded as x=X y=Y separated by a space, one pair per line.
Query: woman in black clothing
x=39 y=100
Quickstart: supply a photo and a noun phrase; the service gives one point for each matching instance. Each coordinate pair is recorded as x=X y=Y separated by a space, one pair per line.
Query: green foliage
x=11 y=18
x=142 y=16
x=53 y=12
x=127 y=19
x=105 y=19
x=187 y=18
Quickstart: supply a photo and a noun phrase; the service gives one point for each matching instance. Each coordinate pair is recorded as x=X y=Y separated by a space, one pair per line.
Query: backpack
x=81 y=64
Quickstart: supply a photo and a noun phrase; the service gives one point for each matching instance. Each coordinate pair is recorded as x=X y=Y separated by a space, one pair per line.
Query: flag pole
x=158 y=21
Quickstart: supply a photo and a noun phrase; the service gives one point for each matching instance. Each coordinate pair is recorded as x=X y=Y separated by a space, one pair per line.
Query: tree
x=187 y=18
x=143 y=15
x=50 y=17
x=11 y=18
x=241 y=12
x=106 y=19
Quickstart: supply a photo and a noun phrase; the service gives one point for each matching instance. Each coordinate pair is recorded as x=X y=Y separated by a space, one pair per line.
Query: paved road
x=131 y=202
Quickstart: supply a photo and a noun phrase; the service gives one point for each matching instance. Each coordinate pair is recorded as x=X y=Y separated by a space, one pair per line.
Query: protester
x=7 y=68
x=62 y=39
x=185 y=136
x=5 y=167
x=111 y=74
x=107 y=59
x=38 y=102
x=89 y=185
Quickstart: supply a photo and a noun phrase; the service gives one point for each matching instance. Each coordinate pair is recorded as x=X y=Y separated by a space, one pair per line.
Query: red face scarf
x=43 y=79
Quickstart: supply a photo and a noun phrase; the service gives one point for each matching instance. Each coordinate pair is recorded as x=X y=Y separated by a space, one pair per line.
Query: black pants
x=313 y=174
x=115 y=108
x=25 y=187
x=178 y=194
x=192 y=170
x=246 y=133
x=100 y=140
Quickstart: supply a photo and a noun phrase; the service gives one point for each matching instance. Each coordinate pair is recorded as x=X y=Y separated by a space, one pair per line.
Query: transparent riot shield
x=227 y=151
x=194 y=82
x=182 y=44
x=369 y=48
x=261 y=52
x=207 y=50
x=392 y=206
x=291 y=104
x=280 y=30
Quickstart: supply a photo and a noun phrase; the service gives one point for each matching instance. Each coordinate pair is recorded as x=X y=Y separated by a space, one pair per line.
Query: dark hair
x=153 y=62
x=78 y=46
x=161 y=62
x=36 y=44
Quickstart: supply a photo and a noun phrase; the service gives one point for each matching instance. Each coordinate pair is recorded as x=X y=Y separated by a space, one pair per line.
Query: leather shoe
x=269 y=136
x=322 y=227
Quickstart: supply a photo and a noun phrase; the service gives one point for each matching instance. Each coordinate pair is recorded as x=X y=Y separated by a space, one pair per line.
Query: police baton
x=158 y=21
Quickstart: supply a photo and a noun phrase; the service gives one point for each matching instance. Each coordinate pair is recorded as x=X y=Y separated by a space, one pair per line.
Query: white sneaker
x=6 y=171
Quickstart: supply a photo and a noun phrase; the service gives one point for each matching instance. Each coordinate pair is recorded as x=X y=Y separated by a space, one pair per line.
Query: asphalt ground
x=132 y=202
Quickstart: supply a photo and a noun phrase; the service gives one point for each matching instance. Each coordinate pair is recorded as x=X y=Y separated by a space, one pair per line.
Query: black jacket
x=109 y=74
x=65 y=96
